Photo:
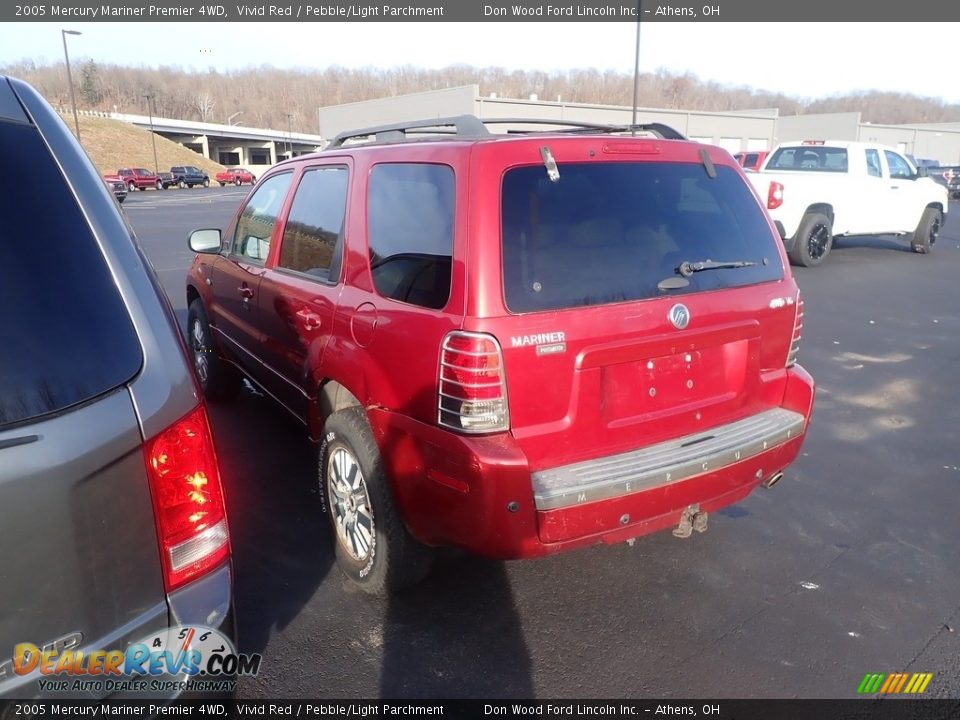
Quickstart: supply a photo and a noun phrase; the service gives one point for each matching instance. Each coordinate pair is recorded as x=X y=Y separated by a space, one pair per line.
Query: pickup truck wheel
x=237 y=182
x=373 y=548
x=206 y=182
x=927 y=231
x=813 y=240
x=131 y=186
x=218 y=379
x=181 y=184
x=222 y=184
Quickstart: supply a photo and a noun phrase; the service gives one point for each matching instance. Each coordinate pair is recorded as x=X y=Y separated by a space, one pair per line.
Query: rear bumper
x=478 y=493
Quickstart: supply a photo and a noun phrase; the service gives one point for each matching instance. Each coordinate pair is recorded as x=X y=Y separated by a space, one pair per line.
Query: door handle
x=311 y=321
x=245 y=292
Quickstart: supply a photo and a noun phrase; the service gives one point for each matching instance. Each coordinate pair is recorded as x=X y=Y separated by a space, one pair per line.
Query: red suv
x=513 y=344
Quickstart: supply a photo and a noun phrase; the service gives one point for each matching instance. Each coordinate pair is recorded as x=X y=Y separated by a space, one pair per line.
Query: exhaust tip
x=772 y=480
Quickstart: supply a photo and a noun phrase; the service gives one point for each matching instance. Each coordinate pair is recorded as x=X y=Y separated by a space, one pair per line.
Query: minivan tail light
x=472 y=387
x=797 y=328
x=774 y=196
x=188 y=502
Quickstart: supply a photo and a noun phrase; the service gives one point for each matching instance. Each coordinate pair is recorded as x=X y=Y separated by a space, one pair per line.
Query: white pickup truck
x=817 y=190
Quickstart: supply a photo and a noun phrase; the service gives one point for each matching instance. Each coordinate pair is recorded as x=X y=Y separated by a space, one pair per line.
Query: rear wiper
x=687 y=268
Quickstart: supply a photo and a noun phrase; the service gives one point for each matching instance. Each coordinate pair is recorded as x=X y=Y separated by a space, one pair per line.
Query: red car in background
x=751 y=160
x=139 y=179
x=235 y=175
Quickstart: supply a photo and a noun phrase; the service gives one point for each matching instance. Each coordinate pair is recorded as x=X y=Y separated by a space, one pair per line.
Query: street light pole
x=230 y=119
x=289 y=136
x=153 y=137
x=73 y=97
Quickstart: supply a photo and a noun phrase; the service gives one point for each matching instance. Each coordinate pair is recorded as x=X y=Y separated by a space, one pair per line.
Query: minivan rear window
x=66 y=336
x=610 y=232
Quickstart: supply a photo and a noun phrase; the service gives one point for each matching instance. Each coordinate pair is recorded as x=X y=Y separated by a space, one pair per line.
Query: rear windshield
x=610 y=232
x=809 y=157
x=66 y=336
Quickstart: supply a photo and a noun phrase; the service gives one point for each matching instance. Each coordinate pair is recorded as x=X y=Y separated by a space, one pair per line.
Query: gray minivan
x=112 y=519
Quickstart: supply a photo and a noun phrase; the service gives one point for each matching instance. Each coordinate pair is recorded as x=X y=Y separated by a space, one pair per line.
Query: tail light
x=774 y=196
x=187 y=499
x=797 y=327
x=472 y=388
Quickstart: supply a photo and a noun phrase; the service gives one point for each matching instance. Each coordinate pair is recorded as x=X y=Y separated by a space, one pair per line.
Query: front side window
x=611 y=232
x=899 y=167
x=314 y=229
x=410 y=212
x=251 y=240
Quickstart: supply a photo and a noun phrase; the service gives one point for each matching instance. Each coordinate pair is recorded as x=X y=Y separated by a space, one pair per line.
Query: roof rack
x=470 y=127
x=462 y=126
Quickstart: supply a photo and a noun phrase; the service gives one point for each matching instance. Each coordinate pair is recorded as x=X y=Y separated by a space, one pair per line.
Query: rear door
x=608 y=344
x=80 y=565
x=298 y=293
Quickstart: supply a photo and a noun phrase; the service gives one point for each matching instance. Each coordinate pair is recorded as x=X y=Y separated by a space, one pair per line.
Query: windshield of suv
x=610 y=232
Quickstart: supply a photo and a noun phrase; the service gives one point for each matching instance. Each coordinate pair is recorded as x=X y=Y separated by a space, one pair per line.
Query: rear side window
x=410 y=214
x=314 y=229
x=610 y=232
x=66 y=336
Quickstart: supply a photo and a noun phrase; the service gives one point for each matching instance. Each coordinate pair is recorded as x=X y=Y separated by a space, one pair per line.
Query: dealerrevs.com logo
x=181 y=658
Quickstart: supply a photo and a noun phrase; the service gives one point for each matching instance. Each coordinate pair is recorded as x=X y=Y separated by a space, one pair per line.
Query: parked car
x=953 y=186
x=166 y=180
x=104 y=438
x=751 y=160
x=188 y=176
x=818 y=190
x=427 y=310
x=117 y=186
x=235 y=175
x=139 y=179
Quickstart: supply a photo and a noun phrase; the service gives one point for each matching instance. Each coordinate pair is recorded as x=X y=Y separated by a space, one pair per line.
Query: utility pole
x=73 y=97
x=153 y=137
x=636 y=74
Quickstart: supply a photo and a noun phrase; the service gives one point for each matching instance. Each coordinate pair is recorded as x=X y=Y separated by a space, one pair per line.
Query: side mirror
x=205 y=241
x=780 y=229
x=923 y=172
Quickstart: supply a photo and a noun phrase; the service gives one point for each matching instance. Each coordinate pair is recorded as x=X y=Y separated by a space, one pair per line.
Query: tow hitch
x=691 y=519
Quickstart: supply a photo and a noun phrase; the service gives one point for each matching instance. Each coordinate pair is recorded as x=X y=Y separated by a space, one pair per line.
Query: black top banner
x=864 y=709
x=853 y=11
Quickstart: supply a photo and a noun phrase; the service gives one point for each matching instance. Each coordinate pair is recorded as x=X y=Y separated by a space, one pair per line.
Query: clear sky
x=804 y=60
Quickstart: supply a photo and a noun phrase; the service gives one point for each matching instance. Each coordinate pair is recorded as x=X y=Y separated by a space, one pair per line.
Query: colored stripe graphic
x=894 y=683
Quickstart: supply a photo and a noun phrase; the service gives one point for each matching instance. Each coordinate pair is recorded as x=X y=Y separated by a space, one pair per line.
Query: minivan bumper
x=479 y=494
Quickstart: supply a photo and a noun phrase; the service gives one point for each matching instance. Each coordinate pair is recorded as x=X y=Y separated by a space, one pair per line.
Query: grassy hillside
x=113 y=144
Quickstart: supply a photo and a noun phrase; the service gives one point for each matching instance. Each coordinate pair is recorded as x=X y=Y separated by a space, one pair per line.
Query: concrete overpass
x=253 y=148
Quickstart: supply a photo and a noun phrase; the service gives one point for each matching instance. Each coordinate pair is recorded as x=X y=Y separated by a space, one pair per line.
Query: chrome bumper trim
x=664 y=463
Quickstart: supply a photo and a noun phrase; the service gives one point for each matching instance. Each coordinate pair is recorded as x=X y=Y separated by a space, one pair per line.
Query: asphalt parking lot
x=848 y=566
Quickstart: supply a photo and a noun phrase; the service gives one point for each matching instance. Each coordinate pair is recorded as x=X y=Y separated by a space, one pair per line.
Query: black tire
x=218 y=379
x=927 y=231
x=181 y=184
x=222 y=184
x=253 y=179
x=121 y=199
x=131 y=186
x=387 y=559
x=812 y=241
x=206 y=182
x=237 y=182
x=160 y=185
